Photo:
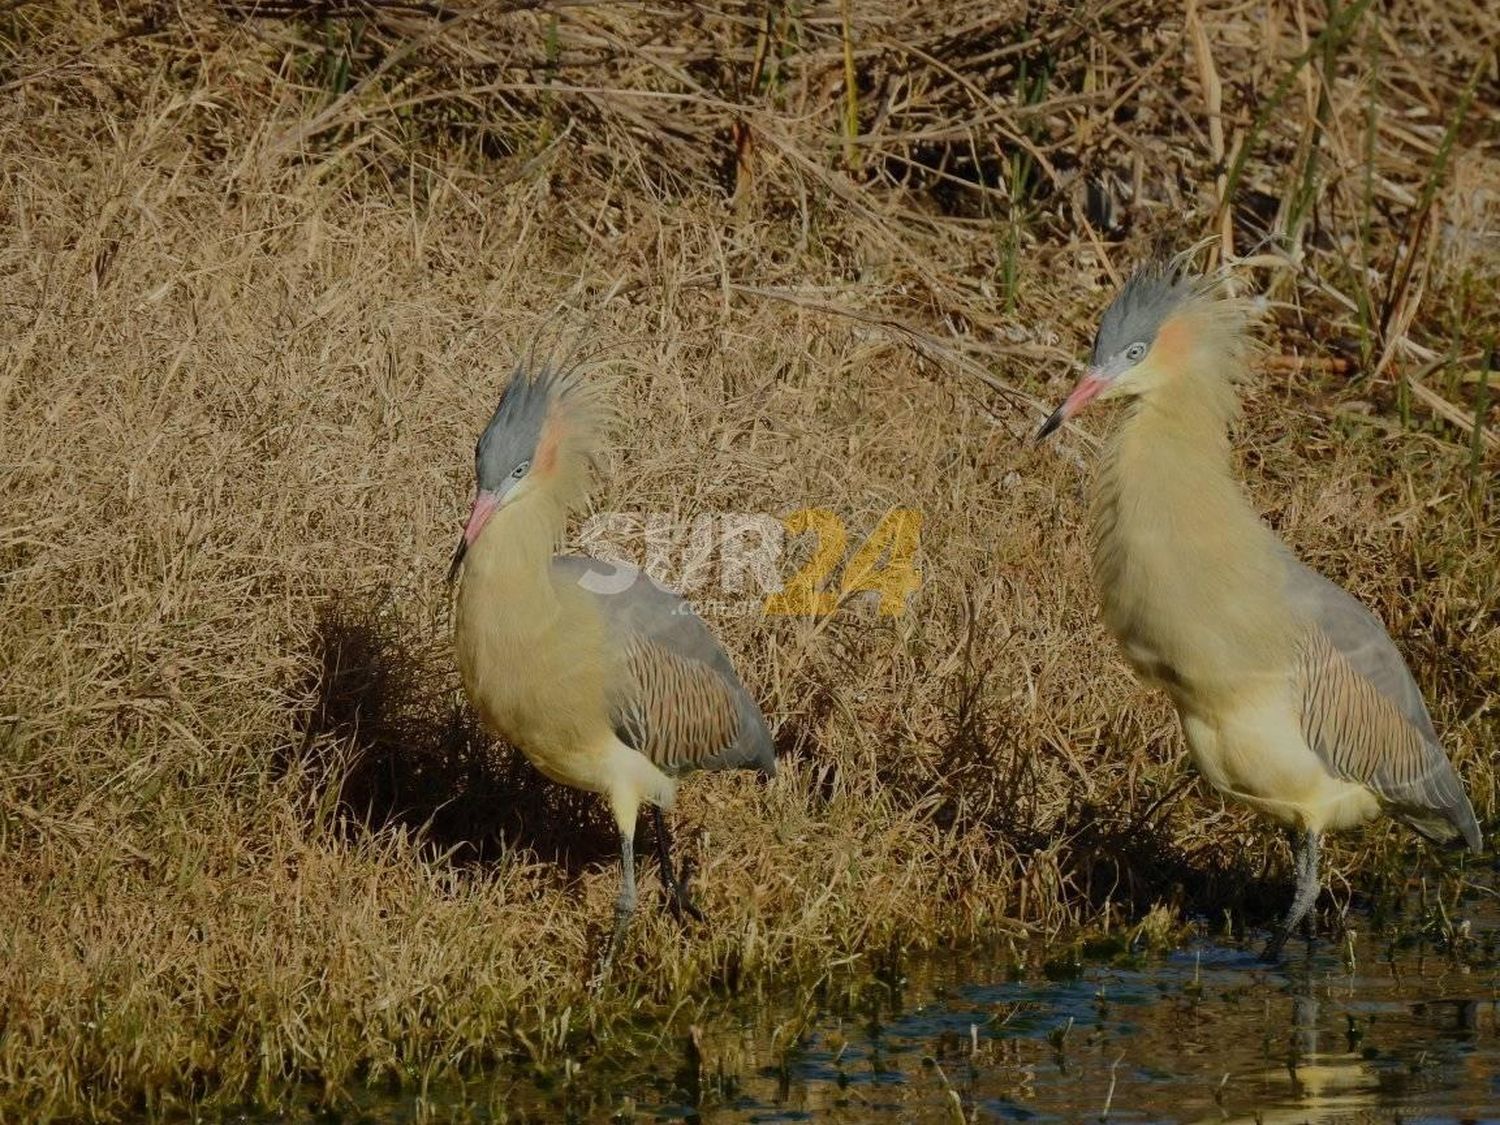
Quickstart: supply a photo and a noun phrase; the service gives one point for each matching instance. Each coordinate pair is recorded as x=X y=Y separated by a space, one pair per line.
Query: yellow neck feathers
x=1181 y=559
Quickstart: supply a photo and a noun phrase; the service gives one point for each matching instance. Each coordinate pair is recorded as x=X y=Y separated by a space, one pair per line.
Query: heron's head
x=1161 y=326
x=542 y=440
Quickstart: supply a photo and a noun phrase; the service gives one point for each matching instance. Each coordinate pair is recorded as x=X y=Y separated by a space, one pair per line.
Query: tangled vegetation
x=267 y=266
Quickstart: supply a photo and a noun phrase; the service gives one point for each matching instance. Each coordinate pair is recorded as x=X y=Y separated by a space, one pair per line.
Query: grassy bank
x=264 y=276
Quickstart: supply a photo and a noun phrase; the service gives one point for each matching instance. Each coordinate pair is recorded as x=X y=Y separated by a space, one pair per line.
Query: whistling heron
x=1291 y=695
x=604 y=680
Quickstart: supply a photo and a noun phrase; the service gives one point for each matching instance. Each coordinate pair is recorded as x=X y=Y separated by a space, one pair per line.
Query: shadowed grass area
x=266 y=269
x=407 y=753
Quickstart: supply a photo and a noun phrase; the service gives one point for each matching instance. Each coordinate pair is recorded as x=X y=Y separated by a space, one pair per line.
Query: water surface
x=1376 y=1026
x=1203 y=1034
x=1380 y=1024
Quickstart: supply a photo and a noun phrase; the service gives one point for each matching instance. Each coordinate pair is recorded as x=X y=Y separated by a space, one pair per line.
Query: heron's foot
x=1271 y=955
x=1303 y=899
x=679 y=901
x=616 y=941
x=1277 y=945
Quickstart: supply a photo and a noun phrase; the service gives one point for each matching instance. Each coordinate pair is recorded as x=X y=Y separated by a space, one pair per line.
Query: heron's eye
x=1136 y=352
x=520 y=470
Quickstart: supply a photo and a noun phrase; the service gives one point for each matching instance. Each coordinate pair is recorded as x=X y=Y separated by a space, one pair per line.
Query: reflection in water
x=1206 y=1034
x=1365 y=1031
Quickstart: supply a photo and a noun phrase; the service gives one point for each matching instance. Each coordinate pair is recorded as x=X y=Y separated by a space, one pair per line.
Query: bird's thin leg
x=1303 y=898
x=624 y=905
x=1310 y=885
x=680 y=901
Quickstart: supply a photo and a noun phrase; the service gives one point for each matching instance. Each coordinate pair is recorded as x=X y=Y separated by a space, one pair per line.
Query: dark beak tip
x=1050 y=426
x=458 y=559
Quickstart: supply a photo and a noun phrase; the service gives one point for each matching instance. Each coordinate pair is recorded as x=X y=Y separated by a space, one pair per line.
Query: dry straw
x=266 y=267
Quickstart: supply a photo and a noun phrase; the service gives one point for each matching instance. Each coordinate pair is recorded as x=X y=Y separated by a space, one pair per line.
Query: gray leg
x=624 y=905
x=1306 y=894
x=679 y=901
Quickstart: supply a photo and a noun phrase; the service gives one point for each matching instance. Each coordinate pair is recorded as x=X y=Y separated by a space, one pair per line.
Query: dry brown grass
x=263 y=280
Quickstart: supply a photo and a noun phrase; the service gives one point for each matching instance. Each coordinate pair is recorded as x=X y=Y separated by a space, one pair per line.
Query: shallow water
x=1366 y=1027
x=1206 y=1033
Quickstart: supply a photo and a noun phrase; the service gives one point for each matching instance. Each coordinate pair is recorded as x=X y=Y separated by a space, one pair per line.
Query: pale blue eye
x=1136 y=352
x=520 y=470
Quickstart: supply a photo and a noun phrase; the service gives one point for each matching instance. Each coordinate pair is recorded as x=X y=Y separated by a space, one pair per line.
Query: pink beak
x=1086 y=391
x=485 y=504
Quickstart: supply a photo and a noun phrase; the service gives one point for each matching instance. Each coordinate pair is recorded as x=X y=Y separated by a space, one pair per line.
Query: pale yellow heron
x=1292 y=697
x=604 y=680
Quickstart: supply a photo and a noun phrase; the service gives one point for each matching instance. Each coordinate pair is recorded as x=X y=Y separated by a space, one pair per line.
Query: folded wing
x=1363 y=714
x=678 y=699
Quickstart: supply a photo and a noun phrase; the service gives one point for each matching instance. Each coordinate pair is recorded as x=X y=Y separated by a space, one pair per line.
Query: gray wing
x=681 y=704
x=1363 y=714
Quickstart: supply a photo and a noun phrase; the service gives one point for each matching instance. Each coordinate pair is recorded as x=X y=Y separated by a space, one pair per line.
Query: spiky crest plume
x=556 y=411
x=1218 y=341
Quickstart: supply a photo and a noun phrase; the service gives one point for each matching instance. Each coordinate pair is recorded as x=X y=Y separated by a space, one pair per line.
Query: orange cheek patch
x=547 y=447
x=1173 y=341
